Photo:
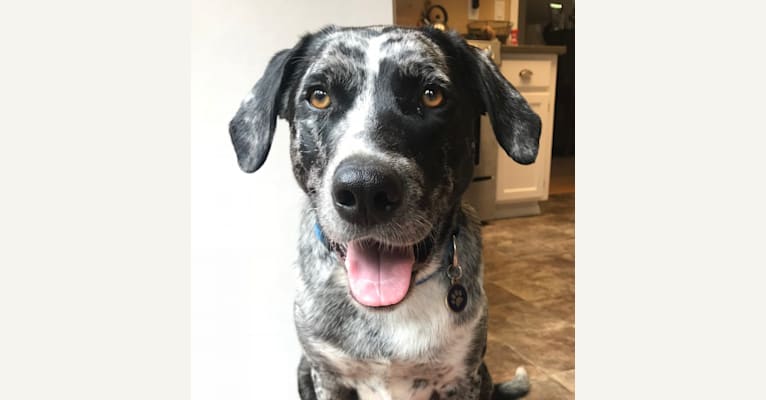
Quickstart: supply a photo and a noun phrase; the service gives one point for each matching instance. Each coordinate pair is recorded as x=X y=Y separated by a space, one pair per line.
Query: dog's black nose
x=366 y=192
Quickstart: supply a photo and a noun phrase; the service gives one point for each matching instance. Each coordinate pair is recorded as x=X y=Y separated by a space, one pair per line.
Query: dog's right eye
x=319 y=99
x=432 y=97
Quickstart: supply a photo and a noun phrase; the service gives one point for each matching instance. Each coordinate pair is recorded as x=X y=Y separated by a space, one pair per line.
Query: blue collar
x=321 y=237
x=431 y=275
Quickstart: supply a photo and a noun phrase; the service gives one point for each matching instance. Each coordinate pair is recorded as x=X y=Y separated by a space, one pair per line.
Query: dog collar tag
x=457 y=296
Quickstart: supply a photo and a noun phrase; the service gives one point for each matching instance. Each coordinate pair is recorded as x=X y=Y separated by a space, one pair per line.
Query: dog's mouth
x=380 y=274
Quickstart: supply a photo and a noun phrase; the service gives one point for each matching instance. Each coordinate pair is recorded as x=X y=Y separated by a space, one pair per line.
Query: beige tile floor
x=529 y=279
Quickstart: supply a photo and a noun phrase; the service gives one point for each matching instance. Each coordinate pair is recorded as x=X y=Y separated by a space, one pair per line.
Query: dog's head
x=381 y=122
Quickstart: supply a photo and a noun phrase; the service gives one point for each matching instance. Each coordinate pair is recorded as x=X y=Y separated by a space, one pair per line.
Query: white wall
x=244 y=226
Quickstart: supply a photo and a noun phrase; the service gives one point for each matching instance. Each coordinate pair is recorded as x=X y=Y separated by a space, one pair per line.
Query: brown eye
x=432 y=97
x=319 y=99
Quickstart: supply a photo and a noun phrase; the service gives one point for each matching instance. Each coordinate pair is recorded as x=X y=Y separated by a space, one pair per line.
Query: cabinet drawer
x=527 y=73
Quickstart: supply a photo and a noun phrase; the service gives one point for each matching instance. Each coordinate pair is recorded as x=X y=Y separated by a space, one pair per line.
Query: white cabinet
x=518 y=182
x=520 y=187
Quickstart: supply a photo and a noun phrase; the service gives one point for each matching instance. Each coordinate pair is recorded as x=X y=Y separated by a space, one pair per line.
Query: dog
x=390 y=301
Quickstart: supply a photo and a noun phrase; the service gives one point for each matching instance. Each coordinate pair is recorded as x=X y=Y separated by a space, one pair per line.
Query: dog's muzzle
x=366 y=192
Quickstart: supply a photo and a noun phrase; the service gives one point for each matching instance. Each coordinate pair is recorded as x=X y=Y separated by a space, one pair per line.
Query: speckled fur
x=414 y=349
x=417 y=349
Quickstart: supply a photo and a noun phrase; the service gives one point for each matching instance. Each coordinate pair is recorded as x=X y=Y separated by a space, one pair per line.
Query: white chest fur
x=428 y=351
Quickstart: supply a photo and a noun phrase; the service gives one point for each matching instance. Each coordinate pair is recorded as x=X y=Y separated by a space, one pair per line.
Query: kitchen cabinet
x=521 y=187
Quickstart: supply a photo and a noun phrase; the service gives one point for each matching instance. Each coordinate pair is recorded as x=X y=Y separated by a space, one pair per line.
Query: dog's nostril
x=345 y=198
x=366 y=192
x=385 y=201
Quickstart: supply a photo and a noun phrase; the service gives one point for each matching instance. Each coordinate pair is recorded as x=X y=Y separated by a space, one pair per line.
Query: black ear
x=516 y=126
x=252 y=128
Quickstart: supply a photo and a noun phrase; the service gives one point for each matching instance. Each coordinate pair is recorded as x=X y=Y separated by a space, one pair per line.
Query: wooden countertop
x=533 y=49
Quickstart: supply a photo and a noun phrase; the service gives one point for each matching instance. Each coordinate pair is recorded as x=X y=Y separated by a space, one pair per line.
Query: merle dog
x=390 y=302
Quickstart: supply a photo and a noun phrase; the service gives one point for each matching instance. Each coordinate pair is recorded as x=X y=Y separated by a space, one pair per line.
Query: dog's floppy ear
x=516 y=126
x=252 y=128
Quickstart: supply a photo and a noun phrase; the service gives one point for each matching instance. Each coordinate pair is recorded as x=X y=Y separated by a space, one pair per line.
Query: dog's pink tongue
x=378 y=277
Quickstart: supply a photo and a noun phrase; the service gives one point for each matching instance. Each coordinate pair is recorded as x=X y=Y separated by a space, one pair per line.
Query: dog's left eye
x=319 y=99
x=432 y=97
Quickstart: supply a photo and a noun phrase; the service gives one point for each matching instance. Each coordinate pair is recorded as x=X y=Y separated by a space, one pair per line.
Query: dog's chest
x=428 y=351
x=381 y=379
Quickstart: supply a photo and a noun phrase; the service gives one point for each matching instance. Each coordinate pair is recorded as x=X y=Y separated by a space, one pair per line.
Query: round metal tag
x=457 y=297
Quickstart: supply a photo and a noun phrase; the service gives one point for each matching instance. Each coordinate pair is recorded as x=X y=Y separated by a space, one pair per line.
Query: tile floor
x=529 y=279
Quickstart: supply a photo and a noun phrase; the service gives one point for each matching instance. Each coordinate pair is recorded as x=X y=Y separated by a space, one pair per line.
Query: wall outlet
x=473 y=13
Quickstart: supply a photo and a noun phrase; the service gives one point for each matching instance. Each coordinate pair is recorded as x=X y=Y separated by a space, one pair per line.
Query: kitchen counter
x=533 y=49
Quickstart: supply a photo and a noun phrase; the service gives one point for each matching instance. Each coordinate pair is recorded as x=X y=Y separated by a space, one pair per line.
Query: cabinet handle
x=525 y=74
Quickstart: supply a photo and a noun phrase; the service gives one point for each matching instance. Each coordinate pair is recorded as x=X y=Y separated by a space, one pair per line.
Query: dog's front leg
x=313 y=385
x=476 y=387
x=305 y=382
x=327 y=387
